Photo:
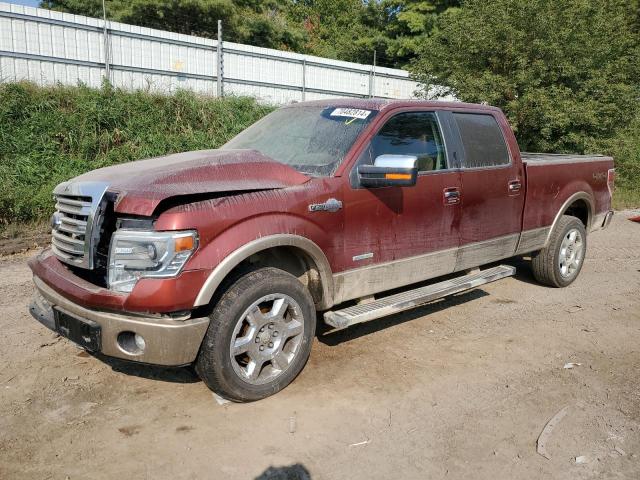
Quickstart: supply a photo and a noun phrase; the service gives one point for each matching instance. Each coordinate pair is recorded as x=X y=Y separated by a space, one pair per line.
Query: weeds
x=51 y=134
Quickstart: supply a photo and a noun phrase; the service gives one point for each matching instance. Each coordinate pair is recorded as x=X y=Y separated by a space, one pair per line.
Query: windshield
x=311 y=139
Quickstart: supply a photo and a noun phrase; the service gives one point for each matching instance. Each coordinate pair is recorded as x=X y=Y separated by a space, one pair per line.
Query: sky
x=28 y=3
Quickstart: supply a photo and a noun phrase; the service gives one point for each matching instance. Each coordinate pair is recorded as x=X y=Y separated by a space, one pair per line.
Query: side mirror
x=389 y=171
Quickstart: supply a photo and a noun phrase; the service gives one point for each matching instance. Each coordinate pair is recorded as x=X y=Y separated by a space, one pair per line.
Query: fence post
x=105 y=34
x=304 y=79
x=220 y=71
x=325 y=71
x=372 y=77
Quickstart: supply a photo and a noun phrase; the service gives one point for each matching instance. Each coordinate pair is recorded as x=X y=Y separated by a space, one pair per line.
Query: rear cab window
x=482 y=139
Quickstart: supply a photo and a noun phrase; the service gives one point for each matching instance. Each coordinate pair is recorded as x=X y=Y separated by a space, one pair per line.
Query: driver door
x=395 y=236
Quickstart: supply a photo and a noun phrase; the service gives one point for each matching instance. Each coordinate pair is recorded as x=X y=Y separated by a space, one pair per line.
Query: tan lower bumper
x=168 y=341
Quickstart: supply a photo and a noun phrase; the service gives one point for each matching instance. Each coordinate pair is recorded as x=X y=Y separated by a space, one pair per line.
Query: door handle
x=451 y=196
x=514 y=187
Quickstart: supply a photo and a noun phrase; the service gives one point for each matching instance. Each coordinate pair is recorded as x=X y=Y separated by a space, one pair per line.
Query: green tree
x=352 y=29
x=344 y=29
x=262 y=23
x=333 y=27
x=566 y=72
x=403 y=26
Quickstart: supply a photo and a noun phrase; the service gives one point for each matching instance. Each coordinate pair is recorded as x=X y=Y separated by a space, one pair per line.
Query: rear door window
x=482 y=139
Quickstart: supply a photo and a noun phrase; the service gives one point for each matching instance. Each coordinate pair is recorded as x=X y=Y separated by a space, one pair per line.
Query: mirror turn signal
x=389 y=171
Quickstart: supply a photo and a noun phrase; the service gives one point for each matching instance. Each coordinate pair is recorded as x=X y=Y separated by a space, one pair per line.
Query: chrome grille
x=70 y=228
x=75 y=225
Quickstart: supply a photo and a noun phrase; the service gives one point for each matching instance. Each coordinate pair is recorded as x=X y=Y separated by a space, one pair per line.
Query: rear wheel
x=560 y=262
x=259 y=336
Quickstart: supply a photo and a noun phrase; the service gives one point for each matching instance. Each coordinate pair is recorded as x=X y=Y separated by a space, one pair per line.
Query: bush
x=625 y=149
x=51 y=134
x=566 y=83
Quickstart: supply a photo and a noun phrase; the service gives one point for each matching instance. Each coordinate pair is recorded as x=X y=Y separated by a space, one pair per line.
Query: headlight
x=136 y=254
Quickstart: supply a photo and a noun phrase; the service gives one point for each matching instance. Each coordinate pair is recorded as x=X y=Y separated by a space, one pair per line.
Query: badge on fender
x=331 y=205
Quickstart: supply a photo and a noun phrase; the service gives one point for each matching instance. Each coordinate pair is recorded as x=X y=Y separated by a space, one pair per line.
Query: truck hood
x=141 y=186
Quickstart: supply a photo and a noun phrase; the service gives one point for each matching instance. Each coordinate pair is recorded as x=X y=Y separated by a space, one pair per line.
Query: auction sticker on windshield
x=350 y=113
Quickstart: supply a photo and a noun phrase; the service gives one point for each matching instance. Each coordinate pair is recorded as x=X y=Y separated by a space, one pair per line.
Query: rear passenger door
x=492 y=190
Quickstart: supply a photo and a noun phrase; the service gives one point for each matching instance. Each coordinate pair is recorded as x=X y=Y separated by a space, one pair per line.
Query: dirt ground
x=458 y=389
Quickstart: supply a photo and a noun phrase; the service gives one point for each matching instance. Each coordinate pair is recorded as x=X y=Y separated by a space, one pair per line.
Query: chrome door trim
x=379 y=277
x=532 y=240
x=372 y=279
x=480 y=253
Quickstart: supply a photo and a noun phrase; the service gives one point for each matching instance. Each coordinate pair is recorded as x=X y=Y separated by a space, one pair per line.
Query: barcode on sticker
x=351 y=113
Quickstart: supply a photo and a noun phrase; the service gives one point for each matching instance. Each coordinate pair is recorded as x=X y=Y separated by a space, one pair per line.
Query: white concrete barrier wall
x=47 y=47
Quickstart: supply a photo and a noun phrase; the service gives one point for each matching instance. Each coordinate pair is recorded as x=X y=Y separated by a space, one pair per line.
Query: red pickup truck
x=223 y=258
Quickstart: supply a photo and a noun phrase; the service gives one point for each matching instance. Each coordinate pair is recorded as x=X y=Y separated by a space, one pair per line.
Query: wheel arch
x=292 y=253
x=580 y=205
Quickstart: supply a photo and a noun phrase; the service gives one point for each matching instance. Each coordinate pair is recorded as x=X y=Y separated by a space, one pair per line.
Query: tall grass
x=51 y=134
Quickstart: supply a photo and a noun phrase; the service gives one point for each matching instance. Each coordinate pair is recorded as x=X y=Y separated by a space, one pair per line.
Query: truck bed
x=554 y=158
x=552 y=178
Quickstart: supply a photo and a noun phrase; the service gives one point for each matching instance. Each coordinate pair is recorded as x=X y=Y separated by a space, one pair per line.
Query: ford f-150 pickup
x=222 y=258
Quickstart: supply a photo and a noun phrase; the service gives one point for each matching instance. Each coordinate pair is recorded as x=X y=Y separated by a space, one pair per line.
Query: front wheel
x=560 y=262
x=259 y=336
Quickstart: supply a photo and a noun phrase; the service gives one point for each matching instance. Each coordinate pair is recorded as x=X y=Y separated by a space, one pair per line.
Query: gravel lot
x=458 y=389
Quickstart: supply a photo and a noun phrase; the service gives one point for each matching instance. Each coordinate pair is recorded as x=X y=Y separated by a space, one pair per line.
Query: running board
x=414 y=298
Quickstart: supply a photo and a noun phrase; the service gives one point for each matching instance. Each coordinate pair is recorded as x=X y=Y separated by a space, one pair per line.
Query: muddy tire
x=259 y=336
x=560 y=262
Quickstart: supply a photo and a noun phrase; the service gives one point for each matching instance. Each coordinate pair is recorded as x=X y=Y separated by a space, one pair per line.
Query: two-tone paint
x=243 y=204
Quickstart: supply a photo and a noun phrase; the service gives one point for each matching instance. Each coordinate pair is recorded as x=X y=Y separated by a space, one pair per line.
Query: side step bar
x=414 y=298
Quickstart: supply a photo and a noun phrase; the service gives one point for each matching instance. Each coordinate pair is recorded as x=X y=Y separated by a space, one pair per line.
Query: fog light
x=131 y=343
x=140 y=343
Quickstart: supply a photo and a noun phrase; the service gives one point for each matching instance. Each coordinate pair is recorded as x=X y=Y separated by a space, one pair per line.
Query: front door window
x=412 y=133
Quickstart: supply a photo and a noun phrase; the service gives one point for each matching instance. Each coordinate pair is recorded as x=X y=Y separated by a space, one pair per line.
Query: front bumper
x=168 y=341
x=158 y=295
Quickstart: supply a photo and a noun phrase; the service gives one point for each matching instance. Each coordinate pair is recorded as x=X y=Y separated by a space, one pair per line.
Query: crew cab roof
x=383 y=103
